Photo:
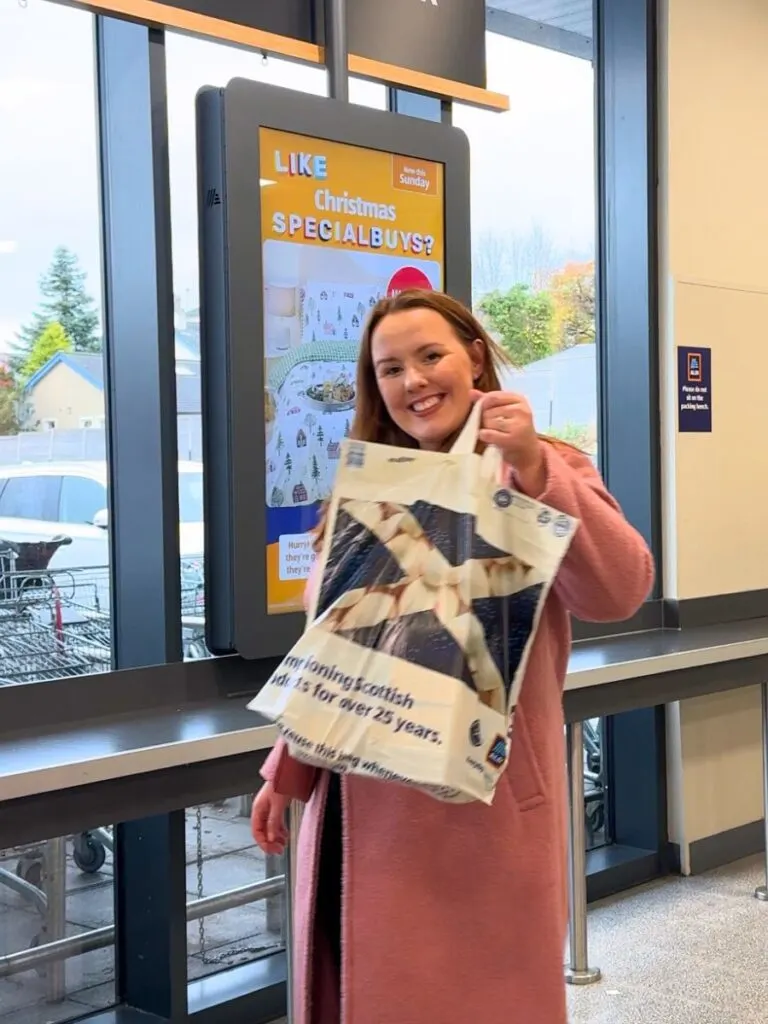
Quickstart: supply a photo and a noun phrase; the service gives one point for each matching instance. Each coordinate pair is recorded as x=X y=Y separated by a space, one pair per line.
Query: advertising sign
x=694 y=378
x=342 y=227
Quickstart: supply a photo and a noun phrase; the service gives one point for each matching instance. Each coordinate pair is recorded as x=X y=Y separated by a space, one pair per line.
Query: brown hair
x=372 y=421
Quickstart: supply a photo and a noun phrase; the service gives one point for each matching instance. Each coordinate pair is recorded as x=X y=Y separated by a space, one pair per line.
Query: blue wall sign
x=694 y=390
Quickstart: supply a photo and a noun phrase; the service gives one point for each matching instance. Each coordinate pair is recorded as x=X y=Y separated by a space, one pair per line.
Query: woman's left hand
x=507 y=423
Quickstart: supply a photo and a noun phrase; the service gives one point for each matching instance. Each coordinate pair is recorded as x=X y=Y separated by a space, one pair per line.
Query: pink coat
x=452 y=914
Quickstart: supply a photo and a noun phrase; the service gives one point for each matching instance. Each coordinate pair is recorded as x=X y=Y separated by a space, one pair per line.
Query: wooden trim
x=421 y=82
x=153 y=13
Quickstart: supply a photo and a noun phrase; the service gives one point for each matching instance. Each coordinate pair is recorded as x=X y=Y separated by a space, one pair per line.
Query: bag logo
x=497 y=755
x=503 y=498
x=356 y=455
x=475 y=735
x=545 y=517
x=562 y=526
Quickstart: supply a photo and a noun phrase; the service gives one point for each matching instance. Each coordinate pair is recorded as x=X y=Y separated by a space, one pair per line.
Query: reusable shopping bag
x=433 y=575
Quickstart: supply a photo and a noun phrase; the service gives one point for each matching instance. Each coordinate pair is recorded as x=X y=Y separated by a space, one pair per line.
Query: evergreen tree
x=65 y=302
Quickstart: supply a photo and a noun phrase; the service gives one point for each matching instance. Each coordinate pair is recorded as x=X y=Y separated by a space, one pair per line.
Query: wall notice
x=342 y=227
x=694 y=384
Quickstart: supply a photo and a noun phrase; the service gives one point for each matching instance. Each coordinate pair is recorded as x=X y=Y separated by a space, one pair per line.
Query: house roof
x=89 y=365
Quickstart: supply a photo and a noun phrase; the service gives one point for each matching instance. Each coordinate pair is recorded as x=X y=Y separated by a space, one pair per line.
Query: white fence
x=86 y=444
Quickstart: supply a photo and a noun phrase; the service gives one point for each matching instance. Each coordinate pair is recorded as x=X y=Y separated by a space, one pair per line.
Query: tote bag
x=433 y=576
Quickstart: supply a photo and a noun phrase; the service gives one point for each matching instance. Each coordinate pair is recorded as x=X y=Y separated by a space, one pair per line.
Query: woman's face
x=425 y=374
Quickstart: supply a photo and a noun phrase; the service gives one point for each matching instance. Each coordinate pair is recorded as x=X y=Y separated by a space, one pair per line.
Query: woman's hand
x=268 y=820
x=507 y=423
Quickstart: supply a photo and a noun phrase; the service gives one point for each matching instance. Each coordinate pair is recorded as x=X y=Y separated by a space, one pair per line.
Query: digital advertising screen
x=342 y=227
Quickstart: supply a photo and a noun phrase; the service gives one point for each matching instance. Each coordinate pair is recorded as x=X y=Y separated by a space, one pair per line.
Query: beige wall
x=714 y=292
x=64 y=396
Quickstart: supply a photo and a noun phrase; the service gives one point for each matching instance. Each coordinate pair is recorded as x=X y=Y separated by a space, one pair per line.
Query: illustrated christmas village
x=309 y=413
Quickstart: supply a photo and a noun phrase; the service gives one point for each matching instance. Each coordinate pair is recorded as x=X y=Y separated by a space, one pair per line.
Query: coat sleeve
x=288 y=776
x=608 y=570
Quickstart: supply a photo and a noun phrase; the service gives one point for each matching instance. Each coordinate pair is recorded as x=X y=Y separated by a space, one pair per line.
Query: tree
x=65 y=302
x=499 y=261
x=9 y=409
x=51 y=340
x=522 y=321
x=573 y=297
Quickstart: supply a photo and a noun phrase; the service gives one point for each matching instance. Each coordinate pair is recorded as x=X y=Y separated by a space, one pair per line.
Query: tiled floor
x=681 y=951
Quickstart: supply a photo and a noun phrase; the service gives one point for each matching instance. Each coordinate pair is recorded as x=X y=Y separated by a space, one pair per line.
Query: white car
x=42 y=500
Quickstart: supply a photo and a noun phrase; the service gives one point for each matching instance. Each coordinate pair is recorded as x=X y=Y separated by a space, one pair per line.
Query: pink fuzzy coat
x=453 y=914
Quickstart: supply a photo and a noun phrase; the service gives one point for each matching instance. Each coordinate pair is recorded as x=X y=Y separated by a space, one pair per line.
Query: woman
x=411 y=911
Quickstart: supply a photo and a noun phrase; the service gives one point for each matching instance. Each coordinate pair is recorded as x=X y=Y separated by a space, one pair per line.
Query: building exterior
x=67 y=393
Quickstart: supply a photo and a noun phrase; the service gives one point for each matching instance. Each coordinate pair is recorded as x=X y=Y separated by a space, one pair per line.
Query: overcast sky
x=531 y=167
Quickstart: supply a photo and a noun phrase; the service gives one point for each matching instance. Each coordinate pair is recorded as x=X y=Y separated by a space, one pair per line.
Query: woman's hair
x=372 y=421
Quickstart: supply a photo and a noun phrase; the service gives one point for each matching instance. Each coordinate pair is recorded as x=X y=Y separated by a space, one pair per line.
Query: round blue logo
x=545 y=517
x=562 y=526
x=502 y=499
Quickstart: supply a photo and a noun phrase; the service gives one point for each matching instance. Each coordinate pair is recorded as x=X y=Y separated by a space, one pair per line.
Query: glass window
x=57 y=891
x=533 y=263
x=191 y=494
x=51 y=375
x=31 y=497
x=533 y=230
x=247 y=922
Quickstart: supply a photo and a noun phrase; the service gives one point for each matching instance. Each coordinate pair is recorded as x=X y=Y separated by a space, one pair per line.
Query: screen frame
x=240 y=534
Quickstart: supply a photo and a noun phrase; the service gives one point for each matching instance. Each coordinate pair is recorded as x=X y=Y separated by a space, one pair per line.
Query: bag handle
x=466 y=442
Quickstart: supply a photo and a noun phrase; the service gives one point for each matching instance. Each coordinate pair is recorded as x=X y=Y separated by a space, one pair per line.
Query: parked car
x=42 y=500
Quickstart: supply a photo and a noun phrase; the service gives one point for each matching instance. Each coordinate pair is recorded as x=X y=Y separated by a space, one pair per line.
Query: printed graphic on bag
x=433 y=577
x=439 y=593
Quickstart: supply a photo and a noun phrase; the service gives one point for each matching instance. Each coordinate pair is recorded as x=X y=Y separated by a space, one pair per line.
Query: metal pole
x=761 y=893
x=578 y=971
x=336 y=49
x=100 y=938
x=55 y=868
x=291 y=855
x=275 y=865
x=25 y=889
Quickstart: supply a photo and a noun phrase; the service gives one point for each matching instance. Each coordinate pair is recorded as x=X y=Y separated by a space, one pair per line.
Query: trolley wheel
x=89 y=854
x=31 y=870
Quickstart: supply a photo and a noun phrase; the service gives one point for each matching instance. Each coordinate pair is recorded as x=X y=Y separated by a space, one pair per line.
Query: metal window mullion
x=140 y=349
x=150 y=856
